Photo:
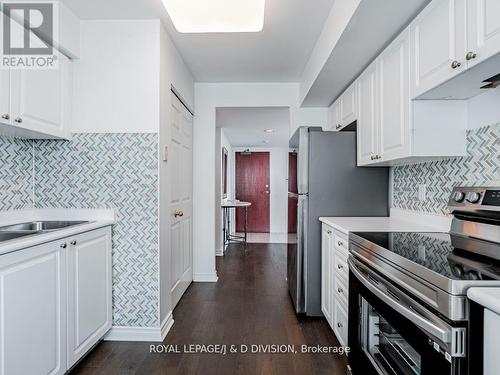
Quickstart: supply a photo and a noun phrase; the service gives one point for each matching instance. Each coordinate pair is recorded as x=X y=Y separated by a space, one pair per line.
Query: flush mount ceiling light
x=216 y=16
x=269 y=131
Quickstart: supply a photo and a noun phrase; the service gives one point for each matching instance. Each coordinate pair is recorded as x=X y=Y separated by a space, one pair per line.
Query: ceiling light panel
x=216 y=16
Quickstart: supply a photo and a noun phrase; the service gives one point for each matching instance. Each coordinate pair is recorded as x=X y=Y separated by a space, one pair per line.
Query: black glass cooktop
x=435 y=251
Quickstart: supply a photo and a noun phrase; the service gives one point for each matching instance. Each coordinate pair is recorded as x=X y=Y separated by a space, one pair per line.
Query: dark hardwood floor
x=249 y=305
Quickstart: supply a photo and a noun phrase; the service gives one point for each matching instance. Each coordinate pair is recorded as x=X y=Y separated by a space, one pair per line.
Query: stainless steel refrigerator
x=328 y=183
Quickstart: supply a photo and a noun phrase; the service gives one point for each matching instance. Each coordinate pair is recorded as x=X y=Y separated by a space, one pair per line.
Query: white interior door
x=181 y=201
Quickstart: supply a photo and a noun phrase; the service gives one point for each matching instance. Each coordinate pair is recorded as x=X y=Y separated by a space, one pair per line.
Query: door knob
x=73 y=243
x=470 y=56
x=456 y=64
x=179 y=214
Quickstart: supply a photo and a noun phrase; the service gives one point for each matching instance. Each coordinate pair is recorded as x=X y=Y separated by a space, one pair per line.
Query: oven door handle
x=440 y=331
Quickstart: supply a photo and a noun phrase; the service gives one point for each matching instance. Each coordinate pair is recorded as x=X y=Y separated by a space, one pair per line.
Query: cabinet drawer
x=341 y=244
x=341 y=322
x=341 y=267
x=341 y=292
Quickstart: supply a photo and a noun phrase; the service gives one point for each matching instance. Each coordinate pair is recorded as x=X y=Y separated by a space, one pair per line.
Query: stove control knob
x=459 y=196
x=473 y=197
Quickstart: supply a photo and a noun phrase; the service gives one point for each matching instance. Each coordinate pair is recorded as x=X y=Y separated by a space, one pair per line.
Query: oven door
x=392 y=334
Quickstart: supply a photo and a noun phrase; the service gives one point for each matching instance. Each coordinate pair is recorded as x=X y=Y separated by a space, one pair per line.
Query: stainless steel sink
x=7 y=236
x=39 y=226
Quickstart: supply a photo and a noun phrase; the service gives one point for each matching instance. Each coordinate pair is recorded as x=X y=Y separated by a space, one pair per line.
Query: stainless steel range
x=409 y=312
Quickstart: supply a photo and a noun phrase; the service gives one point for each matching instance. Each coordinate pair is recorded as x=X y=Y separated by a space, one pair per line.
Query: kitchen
x=110 y=178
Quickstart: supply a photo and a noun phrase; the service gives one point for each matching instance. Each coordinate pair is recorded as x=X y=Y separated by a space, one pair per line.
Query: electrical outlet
x=422 y=192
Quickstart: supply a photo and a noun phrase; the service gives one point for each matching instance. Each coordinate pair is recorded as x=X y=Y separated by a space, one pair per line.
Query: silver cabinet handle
x=64 y=245
x=340 y=267
x=338 y=127
x=73 y=242
x=456 y=64
x=18 y=120
x=6 y=117
x=470 y=56
x=340 y=243
x=329 y=232
x=340 y=290
x=340 y=325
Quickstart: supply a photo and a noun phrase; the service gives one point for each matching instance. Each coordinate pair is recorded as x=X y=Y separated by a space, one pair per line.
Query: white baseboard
x=219 y=252
x=141 y=334
x=205 y=277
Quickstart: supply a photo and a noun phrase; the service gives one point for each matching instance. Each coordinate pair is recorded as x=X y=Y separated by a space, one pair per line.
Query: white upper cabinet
x=438 y=44
x=394 y=100
x=4 y=95
x=348 y=106
x=334 y=116
x=484 y=30
x=344 y=111
x=367 y=126
x=40 y=102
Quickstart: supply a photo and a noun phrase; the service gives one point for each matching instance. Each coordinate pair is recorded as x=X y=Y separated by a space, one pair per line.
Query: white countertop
x=378 y=224
x=487 y=297
x=97 y=219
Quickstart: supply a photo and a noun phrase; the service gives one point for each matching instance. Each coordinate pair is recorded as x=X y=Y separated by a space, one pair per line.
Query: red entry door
x=253 y=185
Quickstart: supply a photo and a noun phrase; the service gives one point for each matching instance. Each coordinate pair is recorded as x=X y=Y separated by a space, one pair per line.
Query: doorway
x=253 y=185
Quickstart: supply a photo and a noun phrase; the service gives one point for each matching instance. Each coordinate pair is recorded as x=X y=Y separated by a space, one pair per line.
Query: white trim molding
x=205 y=277
x=219 y=252
x=141 y=334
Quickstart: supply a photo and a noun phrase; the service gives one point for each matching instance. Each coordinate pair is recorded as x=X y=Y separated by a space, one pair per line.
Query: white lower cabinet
x=491 y=342
x=55 y=303
x=335 y=281
x=89 y=292
x=33 y=311
x=327 y=274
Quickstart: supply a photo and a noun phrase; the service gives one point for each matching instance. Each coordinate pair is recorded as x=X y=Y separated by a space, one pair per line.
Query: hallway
x=249 y=305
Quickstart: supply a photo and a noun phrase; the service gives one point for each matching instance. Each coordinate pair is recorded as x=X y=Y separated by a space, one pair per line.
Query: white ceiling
x=244 y=127
x=277 y=54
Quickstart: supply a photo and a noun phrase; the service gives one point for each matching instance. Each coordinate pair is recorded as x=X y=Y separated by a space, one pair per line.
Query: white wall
x=123 y=84
x=117 y=77
x=484 y=109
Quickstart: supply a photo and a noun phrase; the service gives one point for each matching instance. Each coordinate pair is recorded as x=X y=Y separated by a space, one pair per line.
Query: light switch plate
x=422 y=193
x=165 y=153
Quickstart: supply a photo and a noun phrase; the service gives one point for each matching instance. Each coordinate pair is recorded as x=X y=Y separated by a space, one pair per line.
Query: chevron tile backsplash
x=118 y=171
x=481 y=166
x=16 y=174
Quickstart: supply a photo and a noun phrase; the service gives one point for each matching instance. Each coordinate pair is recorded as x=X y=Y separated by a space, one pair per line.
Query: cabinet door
x=33 y=311
x=367 y=117
x=334 y=116
x=438 y=44
x=484 y=29
x=394 y=99
x=349 y=103
x=89 y=291
x=5 y=96
x=41 y=100
x=326 y=274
